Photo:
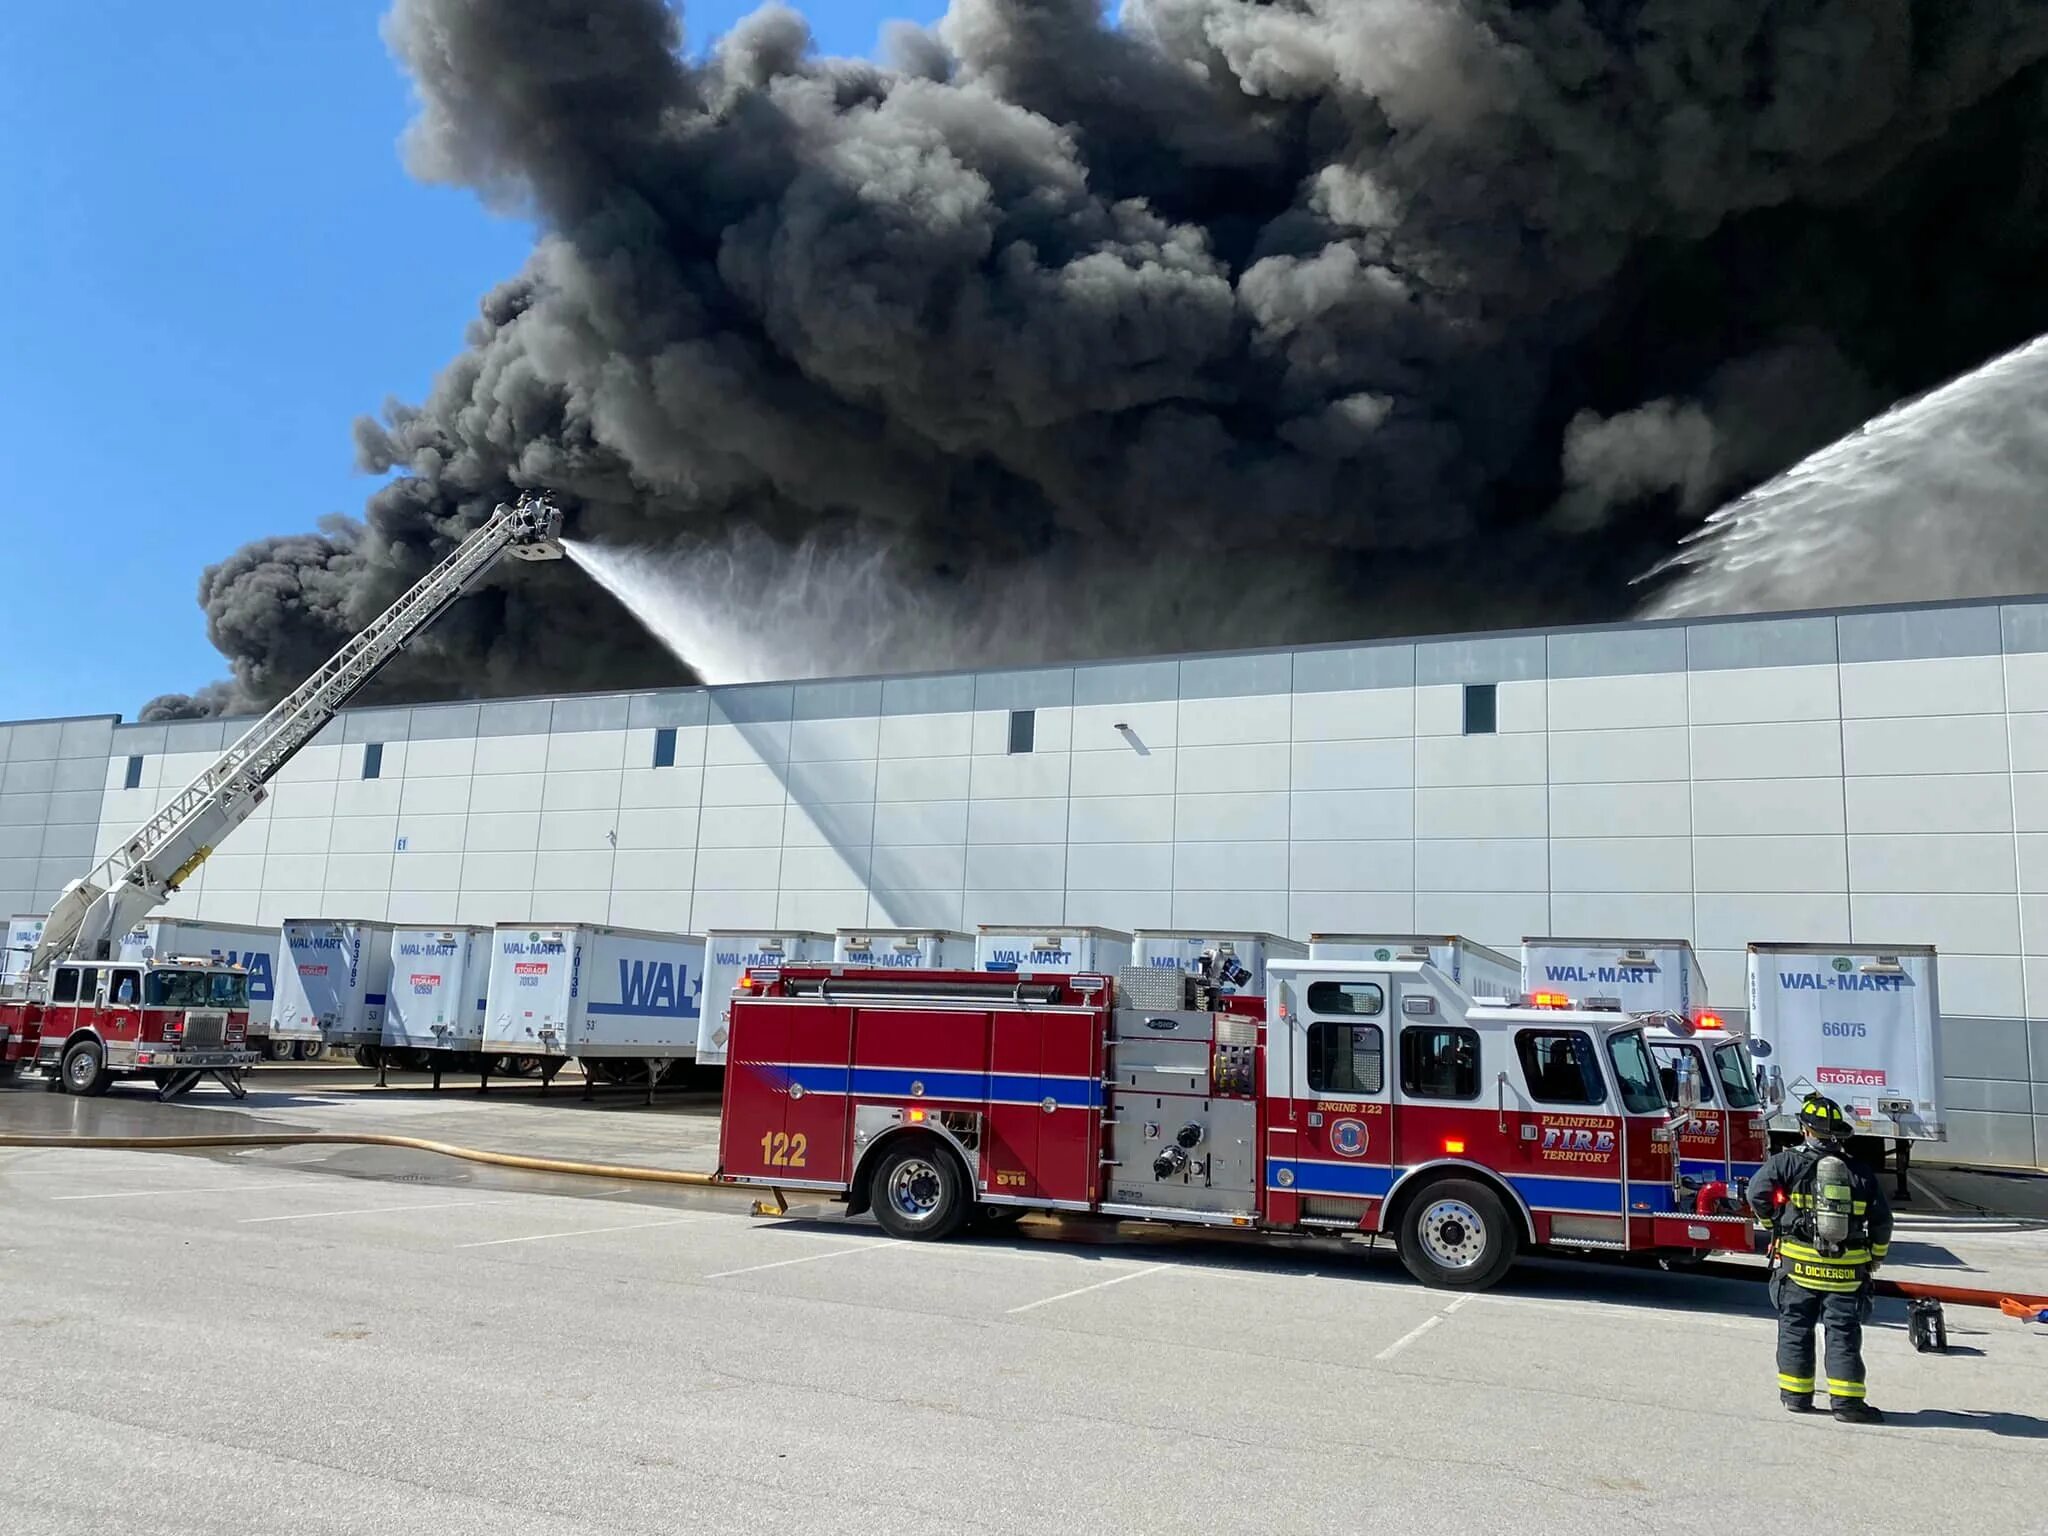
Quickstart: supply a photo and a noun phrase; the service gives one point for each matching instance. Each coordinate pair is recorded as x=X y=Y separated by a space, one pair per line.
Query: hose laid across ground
x=373 y=1139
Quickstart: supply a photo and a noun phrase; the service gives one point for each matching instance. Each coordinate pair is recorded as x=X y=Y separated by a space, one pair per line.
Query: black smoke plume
x=1358 y=315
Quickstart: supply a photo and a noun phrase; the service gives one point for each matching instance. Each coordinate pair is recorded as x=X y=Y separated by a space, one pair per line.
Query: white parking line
x=136 y=1194
x=809 y=1258
x=540 y=1237
x=366 y=1210
x=1432 y=1321
x=1136 y=1274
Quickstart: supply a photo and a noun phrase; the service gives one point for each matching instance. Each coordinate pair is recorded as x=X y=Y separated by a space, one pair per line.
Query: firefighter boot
x=1797 y=1402
x=1854 y=1410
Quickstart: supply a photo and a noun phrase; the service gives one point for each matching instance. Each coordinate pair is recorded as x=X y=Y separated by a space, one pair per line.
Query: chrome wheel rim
x=1452 y=1234
x=79 y=1071
x=915 y=1189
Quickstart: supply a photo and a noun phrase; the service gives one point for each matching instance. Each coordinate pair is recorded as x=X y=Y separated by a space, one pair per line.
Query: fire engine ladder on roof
x=163 y=852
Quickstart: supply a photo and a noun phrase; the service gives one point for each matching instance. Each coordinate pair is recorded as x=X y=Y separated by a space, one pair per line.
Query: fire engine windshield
x=196 y=989
x=1641 y=1093
x=1731 y=1063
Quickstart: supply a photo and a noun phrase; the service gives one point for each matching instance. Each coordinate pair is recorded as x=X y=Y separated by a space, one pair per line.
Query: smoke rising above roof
x=1361 y=315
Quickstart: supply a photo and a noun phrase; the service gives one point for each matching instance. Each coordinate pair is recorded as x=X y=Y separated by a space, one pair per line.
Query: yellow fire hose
x=413 y=1143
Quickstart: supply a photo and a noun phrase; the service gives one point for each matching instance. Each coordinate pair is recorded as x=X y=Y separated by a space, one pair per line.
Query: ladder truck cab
x=172 y=1020
x=76 y=1007
x=1364 y=1098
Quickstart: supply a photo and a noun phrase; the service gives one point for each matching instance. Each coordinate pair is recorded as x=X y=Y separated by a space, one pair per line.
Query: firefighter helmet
x=1823 y=1116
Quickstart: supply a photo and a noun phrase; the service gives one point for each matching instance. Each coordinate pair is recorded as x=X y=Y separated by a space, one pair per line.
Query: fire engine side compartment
x=802 y=1071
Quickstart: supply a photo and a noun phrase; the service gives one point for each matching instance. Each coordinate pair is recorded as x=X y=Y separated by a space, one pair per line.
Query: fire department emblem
x=1347 y=1138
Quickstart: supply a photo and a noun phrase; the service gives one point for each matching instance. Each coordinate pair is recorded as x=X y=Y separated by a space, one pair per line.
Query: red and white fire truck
x=86 y=1016
x=1356 y=1097
x=174 y=1021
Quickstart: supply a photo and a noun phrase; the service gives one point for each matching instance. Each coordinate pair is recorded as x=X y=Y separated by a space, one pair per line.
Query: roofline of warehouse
x=1614 y=626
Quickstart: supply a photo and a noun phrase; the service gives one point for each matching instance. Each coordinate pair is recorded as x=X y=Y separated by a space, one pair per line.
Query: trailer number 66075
x=782 y=1150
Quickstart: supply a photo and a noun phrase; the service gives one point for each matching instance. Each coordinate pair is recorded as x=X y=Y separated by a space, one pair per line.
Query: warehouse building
x=1868 y=776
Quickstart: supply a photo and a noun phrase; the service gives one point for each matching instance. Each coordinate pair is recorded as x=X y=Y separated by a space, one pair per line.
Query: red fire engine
x=1356 y=1097
x=175 y=1021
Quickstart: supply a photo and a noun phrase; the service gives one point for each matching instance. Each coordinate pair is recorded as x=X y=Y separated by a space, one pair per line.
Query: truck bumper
x=1705 y=1234
x=158 y=1058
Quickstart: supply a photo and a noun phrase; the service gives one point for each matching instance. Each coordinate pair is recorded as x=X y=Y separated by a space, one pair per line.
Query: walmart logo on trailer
x=655 y=989
x=1813 y=981
x=1607 y=975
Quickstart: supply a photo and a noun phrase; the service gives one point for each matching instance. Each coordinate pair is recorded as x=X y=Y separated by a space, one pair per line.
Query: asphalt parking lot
x=369 y=1340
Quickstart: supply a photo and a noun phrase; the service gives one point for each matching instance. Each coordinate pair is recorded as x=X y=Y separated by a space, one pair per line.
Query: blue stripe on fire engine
x=1596 y=1197
x=1365 y=1181
x=1361 y=1180
x=973 y=1087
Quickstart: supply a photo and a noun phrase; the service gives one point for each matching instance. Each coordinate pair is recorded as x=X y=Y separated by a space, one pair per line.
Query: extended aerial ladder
x=93 y=912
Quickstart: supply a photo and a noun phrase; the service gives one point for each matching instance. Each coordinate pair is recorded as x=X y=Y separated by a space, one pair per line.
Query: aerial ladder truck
x=84 y=1015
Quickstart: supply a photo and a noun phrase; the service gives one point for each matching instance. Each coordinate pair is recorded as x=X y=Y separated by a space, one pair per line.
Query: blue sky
x=213 y=263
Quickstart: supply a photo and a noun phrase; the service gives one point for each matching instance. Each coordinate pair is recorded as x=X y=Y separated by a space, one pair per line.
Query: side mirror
x=1688 y=1083
x=1773 y=1087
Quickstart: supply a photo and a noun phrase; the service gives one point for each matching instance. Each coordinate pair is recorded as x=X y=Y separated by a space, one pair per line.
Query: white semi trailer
x=1055 y=950
x=1481 y=971
x=624 y=1002
x=1640 y=975
x=728 y=952
x=332 y=980
x=904 y=949
x=1859 y=1023
x=434 y=1007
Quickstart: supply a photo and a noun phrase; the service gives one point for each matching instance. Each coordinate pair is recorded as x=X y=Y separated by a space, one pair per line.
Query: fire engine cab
x=1707 y=1068
x=173 y=1020
x=1366 y=1098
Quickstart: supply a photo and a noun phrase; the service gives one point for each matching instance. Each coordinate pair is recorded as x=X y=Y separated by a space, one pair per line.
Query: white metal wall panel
x=1946 y=685
x=1932 y=744
x=1757 y=695
x=1629 y=702
x=1770 y=864
x=1367 y=712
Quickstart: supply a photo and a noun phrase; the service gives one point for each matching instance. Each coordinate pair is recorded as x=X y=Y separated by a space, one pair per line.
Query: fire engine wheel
x=918 y=1190
x=1456 y=1235
x=85 y=1070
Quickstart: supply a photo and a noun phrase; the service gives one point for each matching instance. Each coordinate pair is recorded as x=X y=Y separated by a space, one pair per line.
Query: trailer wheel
x=279 y=1050
x=918 y=1190
x=1457 y=1236
x=85 y=1070
x=312 y=1050
x=366 y=1056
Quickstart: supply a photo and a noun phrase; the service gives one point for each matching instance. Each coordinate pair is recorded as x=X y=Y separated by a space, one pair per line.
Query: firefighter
x=1830 y=1227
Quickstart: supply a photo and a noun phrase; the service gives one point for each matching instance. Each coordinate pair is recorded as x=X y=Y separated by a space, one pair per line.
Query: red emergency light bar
x=1710 y=1021
x=1549 y=1000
